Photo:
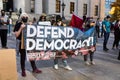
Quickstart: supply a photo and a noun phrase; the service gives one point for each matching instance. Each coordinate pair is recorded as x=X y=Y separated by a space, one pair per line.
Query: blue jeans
x=106 y=37
x=64 y=61
x=9 y=28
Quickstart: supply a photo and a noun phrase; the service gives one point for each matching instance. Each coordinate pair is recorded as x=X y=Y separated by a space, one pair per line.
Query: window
x=96 y=10
x=32 y=6
x=5 y=0
x=84 y=9
x=58 y=6
x=72 y=6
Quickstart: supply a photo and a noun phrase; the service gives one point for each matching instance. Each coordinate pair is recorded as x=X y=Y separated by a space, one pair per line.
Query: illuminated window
x=58 y=6
x=72 y=6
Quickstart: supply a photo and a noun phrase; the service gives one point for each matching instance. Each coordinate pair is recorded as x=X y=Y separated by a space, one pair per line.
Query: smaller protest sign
x=45 y=23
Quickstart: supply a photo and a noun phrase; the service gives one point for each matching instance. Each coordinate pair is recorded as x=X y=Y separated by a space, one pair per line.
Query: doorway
x=8 y=5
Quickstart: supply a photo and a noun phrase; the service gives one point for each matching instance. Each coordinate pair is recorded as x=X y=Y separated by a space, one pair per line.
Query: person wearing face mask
x=3 y=28
x=19 y=35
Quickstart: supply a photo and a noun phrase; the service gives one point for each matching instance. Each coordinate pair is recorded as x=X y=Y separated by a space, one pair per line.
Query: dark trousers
x=98 y=31
x=91 y=56
x=116 y=40
x=3 y=36
x=102 y=32
x=106 y=37
x=22 y=59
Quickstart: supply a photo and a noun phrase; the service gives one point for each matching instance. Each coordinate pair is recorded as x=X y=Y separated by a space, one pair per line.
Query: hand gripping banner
x=45 y=42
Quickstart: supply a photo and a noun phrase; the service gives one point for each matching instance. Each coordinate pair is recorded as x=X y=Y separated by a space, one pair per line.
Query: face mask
x=25 y=19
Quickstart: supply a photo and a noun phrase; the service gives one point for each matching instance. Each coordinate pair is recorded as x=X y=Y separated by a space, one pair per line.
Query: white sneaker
x=87 y=63
x=68 y=68
x=56 y=66
x=92 y=62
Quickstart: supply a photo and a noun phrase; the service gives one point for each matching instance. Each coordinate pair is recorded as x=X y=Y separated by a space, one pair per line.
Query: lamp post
x=63 y=8
x=10 y=12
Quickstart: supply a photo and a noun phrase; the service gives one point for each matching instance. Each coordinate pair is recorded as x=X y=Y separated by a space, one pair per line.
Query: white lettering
x=31 y=28
x=39 y=44
x=40 y=31
x=70 y=33
x=58 y=44
x=30 y=45
x=54 y=32
x=49 y=45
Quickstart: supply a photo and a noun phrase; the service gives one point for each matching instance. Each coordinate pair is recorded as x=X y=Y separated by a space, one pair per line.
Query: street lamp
x=10 y=12
x=63 y=8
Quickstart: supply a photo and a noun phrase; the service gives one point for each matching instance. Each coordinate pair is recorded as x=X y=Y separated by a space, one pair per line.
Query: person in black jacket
x=18 y=33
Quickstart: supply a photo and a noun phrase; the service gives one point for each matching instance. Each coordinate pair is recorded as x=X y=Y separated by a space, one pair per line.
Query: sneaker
x=92 y=62
x=56 y=66
x=23 y=74
x=68 y=68
x=87 y=63
x=37 y=71
x=105 y=49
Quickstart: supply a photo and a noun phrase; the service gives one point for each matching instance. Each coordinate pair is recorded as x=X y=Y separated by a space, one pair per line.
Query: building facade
x=90 y=8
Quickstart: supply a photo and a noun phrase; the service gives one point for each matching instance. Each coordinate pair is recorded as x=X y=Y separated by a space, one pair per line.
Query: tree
x=115 y=10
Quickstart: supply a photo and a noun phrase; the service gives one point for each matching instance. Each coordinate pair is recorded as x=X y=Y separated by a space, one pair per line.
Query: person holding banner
x=61 y=54
x=90 y=50
x=19 y=35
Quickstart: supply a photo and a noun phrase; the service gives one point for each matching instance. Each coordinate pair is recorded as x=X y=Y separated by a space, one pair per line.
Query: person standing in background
x=10 y=26
x=42 y=17
x=106 y=28
x=3 y=28
x=97 y=26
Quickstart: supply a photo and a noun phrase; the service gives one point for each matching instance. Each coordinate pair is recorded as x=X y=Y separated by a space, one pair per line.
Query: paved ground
x=107 y=66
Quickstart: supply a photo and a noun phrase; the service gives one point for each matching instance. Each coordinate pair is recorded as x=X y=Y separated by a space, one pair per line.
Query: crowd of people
x=102 y=28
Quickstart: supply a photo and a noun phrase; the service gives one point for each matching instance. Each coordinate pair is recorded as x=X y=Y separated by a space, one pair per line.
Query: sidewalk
x=107 y=66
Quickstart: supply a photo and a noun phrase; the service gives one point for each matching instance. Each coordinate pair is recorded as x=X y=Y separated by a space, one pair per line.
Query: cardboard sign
x=8 y=69
x=45 y=23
